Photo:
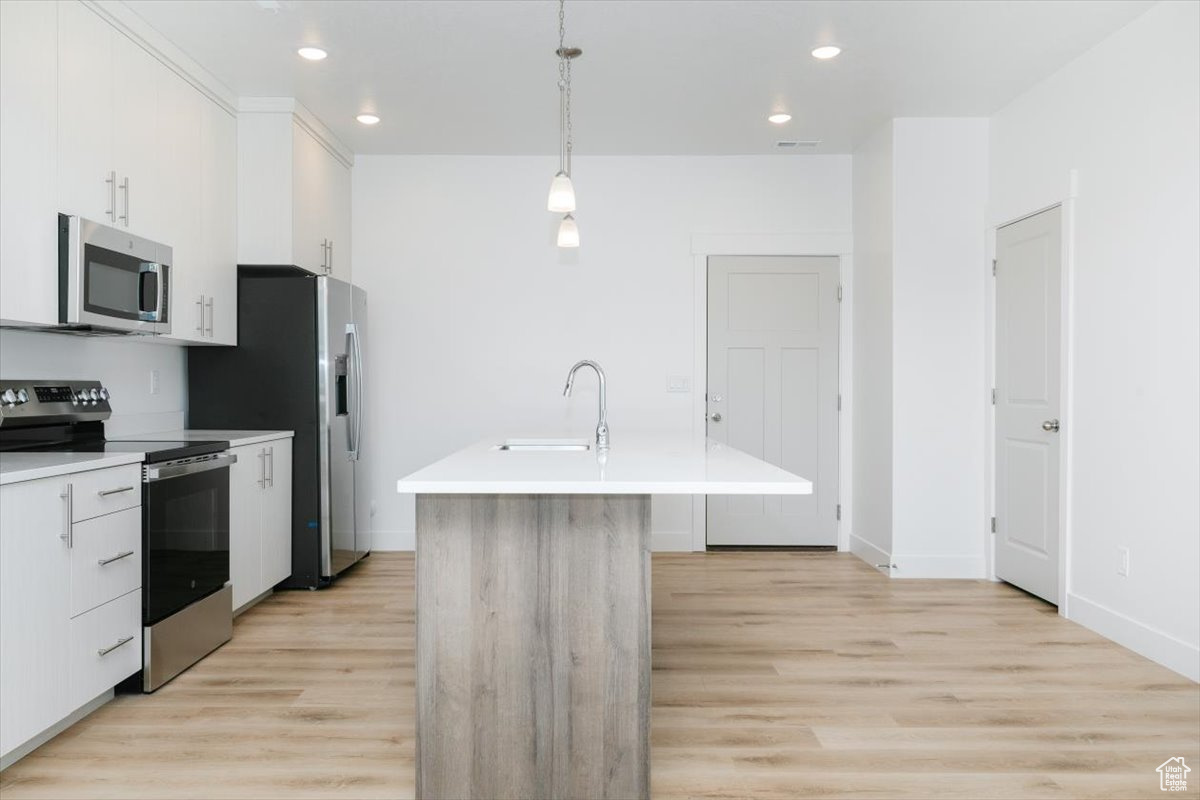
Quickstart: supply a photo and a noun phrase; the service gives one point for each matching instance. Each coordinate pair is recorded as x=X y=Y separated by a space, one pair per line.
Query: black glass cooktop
x=156 y=452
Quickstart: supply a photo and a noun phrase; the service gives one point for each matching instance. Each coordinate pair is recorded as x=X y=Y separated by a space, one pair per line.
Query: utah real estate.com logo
x=1172 y=775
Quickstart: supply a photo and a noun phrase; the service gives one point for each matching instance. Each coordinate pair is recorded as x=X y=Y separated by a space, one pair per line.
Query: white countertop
x=235 y=438
x=634 y=465
x=17 y=467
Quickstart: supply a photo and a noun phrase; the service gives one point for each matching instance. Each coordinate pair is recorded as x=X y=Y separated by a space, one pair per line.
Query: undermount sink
x=560 y=445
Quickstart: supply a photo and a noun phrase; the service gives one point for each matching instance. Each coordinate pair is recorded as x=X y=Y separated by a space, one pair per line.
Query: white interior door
x=773 y=392
x=1028 y=336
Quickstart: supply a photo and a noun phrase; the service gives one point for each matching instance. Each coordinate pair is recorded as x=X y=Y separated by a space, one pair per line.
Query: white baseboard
x=868 y=552
x=1160 y=647
x=390 y=541
x=671 y=541
x=955 y=567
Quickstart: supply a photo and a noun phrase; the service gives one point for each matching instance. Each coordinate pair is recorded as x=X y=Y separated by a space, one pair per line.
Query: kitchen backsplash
x=146 y=380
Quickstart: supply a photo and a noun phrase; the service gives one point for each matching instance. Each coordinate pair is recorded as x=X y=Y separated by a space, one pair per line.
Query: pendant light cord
x=565 y=133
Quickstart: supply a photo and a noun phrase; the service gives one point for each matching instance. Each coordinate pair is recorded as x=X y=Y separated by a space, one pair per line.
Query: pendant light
x=562 y=192
x=568 y=232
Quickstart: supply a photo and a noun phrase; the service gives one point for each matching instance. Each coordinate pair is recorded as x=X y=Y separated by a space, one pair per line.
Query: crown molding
x=125 y=20
x=304 y=118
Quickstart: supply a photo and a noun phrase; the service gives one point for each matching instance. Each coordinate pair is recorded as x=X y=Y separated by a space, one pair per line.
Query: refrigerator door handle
x=356 y=360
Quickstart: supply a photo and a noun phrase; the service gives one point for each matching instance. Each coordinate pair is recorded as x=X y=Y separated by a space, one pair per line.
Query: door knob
x=1050 y=425
x=715 y=417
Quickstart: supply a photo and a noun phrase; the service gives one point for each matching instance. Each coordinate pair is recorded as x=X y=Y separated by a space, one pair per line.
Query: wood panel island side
x=533 y=609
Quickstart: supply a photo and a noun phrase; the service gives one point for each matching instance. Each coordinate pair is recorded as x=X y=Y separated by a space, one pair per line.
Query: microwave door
x=113 y=279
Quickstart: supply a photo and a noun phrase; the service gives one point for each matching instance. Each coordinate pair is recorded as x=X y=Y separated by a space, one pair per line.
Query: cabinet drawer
x=104 y=491
x=106 y=558
x=106 y=646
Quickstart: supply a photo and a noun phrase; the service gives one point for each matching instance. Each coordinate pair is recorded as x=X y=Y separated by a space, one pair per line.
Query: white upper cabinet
x=137 y=77
x=111 y=128
x=107 y=139
x=28 y=141
x=218 y=216
x=87 y=177
x=293 y=192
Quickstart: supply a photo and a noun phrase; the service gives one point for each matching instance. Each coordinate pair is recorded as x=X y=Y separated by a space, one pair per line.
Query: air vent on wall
x=786 y=144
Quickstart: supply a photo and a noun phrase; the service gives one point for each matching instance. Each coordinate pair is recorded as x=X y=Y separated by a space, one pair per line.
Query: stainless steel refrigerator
x=300 y=366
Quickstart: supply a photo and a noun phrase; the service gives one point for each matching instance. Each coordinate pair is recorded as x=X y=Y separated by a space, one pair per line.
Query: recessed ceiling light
x=367 y=119
x=312 y=53
x=826 y=51
x=779 y=119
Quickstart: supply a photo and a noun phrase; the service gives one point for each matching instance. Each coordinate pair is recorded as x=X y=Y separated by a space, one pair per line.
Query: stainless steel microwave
x=109 y=280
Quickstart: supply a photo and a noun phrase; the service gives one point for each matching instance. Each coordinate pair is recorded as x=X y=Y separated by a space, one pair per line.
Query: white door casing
x=1028 y=402
x=773 y=392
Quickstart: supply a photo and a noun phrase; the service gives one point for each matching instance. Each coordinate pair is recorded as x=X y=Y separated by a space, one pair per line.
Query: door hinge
x=839 y=402
x=993 y=524
x=993 y=397
x=839 y=293
x=993 y=267
x=839 y=511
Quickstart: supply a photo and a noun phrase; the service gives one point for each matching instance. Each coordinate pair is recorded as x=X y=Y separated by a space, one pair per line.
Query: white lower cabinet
x=35 y=608
x=106 y=647
x=260 y=518
x=106 y=558
x=70 y=597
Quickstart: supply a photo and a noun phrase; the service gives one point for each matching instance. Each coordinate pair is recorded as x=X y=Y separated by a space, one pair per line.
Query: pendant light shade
x=568 y=232
x=562 y=195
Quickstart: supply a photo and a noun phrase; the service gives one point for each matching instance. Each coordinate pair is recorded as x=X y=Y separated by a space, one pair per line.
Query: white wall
x=121 y=363
x=1126 y=116
x=920 y=192
x=873 y=166
x=476 y=316
x=939 y=386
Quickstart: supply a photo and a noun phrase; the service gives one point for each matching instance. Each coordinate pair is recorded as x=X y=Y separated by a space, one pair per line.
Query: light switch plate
x=679 y=383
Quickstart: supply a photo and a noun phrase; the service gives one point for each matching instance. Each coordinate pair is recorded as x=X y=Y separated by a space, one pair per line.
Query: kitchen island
x=533 y=609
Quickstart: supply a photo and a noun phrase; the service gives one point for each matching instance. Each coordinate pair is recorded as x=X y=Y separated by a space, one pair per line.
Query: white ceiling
x=685 y=77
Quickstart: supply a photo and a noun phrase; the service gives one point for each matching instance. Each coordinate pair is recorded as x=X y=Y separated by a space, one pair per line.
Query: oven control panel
x=28 y=402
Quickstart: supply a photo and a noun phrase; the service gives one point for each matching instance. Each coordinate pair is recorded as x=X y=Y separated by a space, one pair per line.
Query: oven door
x=185 y=533
x=113 y=280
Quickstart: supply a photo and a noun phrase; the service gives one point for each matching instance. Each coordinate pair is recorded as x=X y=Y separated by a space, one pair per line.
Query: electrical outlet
x=153 y=381
x=1123 y=562
x=679 y=383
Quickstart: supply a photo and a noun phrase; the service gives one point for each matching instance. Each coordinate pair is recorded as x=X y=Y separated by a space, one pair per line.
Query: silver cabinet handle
x=111 y=180
x=329 y=266
x=117 y=557
x=106 y=650
x=208 y=303
x=69 y=497
x=716 y=417
x=262 y=467
x=107 y=492
x=1050 y=425
x=325 y=255
x=271 y=463
x=200 y=315
x=125 y=189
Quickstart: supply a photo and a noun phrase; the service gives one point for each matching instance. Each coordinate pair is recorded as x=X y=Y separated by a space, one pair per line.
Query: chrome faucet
x=602 y=425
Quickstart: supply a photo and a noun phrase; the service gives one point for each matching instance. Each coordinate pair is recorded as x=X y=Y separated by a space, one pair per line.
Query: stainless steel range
x=186 y=594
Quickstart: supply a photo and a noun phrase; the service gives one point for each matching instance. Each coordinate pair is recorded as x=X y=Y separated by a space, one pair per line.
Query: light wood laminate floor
x=776 y=675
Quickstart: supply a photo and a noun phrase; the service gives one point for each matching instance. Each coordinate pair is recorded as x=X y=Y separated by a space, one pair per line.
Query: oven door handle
x=162 y=472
